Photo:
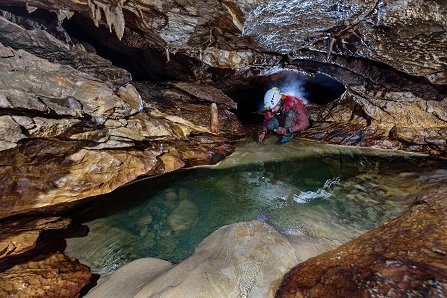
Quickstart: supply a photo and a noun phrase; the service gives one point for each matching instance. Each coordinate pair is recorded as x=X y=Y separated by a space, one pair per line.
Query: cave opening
x=316 y=90
x=151 y=64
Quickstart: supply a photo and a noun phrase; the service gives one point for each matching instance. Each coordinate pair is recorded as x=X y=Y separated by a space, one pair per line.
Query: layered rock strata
x=67 y=135
x=412 y=31
x=18 y=237
x=72 y=126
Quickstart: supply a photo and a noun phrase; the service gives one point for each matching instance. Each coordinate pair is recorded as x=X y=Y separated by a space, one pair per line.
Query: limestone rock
x=359 y=43
x=63 y=92
x=186 y=116
x=54 y=275
x=387 y=119
x=68 y=175
x=67 y=136
x=112 y=238
x=182 y=218
x=39 y=127
x=19 y=236
x=171 y=161
x=218 y=269
x=206 y=92
x=10 y=133
x=395 y=33
x=131 y=96
x=385 y=261
x=118 y=283
x=44 y=45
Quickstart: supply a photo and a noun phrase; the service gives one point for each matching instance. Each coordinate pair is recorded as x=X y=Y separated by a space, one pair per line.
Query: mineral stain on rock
x=75 y=123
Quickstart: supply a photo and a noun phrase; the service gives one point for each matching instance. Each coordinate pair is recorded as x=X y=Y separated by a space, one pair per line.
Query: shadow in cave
x=134 y=53
x=127 y=196
x=318 y=89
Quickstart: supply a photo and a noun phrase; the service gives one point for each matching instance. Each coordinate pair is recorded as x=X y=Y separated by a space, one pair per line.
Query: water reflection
x=335 y=198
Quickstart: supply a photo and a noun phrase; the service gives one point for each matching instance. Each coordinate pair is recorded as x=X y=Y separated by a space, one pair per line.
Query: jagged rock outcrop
x=20 y=236
x=23 y=33
x=76 y=128
x=386 y=261
x=73 y=125
x=389 y=55
x=30 y=267
x=53 y=275
x=60 y=124
x=412 y=31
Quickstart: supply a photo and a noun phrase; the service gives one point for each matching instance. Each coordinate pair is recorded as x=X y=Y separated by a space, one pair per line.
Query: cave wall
x=74 y=125
x=58 y=92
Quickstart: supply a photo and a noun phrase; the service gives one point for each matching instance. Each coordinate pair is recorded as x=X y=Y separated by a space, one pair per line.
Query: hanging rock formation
x=74 y=125
x=389 y=55
x=60 y=125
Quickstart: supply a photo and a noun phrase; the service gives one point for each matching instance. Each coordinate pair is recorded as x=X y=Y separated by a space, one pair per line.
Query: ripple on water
x=334 y=198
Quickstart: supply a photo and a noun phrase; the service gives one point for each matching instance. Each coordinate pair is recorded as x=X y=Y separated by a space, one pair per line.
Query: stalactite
x=113 y=14
x=214 y=121
x=30 y=8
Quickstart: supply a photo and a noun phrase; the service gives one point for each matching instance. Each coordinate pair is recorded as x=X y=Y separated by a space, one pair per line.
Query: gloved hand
x=280 y=130
x=261 y=136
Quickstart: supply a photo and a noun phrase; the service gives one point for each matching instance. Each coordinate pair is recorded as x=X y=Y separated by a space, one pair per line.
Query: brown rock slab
x=54 y=275
x=47 y=173
x=206 y=92
x=44 y=45
x=405 y=257
x=19 y=236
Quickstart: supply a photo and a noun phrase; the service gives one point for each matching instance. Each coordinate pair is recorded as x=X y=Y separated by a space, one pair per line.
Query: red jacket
x=295 y=104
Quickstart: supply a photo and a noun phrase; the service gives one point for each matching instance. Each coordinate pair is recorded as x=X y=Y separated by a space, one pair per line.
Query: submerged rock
x=183 y=217
x=245 y=259
x=118 y=283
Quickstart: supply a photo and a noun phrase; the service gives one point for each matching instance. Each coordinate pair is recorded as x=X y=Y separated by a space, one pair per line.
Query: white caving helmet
x=271 y=98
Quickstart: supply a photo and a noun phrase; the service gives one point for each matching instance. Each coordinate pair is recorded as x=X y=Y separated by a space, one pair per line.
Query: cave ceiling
x=409 y=36
x=97 y=93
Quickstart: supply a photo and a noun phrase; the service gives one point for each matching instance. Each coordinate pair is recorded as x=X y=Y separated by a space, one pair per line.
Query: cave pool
x=302 y=188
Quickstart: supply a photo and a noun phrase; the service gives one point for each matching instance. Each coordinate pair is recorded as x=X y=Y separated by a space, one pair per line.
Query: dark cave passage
x=318 y=89
x=150 y=64
x=143 y=62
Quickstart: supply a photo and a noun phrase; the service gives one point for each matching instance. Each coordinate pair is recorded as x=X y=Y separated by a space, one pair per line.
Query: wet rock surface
x=60 y=124
x=20 y=236
x=412 y=31
x=44 y=45
x=404 y=257
x=392 y=120
x=218 y=268
x=74 y=125
x=53 y=275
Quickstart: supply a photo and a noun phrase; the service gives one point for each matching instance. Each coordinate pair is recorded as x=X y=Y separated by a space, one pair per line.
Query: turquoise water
x=333 y=197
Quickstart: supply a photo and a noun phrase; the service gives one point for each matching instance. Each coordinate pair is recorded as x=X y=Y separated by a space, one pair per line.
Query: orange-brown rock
x=47 y=173
x=20 y=236
x=405 y=257
x=66 y=136
x=54 y=275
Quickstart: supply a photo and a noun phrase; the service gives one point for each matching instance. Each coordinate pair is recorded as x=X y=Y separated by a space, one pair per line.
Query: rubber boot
x=285 y=138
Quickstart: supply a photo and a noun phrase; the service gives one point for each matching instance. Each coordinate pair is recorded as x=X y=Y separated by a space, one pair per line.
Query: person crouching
x=284 y=115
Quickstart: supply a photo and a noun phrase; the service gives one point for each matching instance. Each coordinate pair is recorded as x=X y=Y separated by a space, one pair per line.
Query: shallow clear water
x=333 y=197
